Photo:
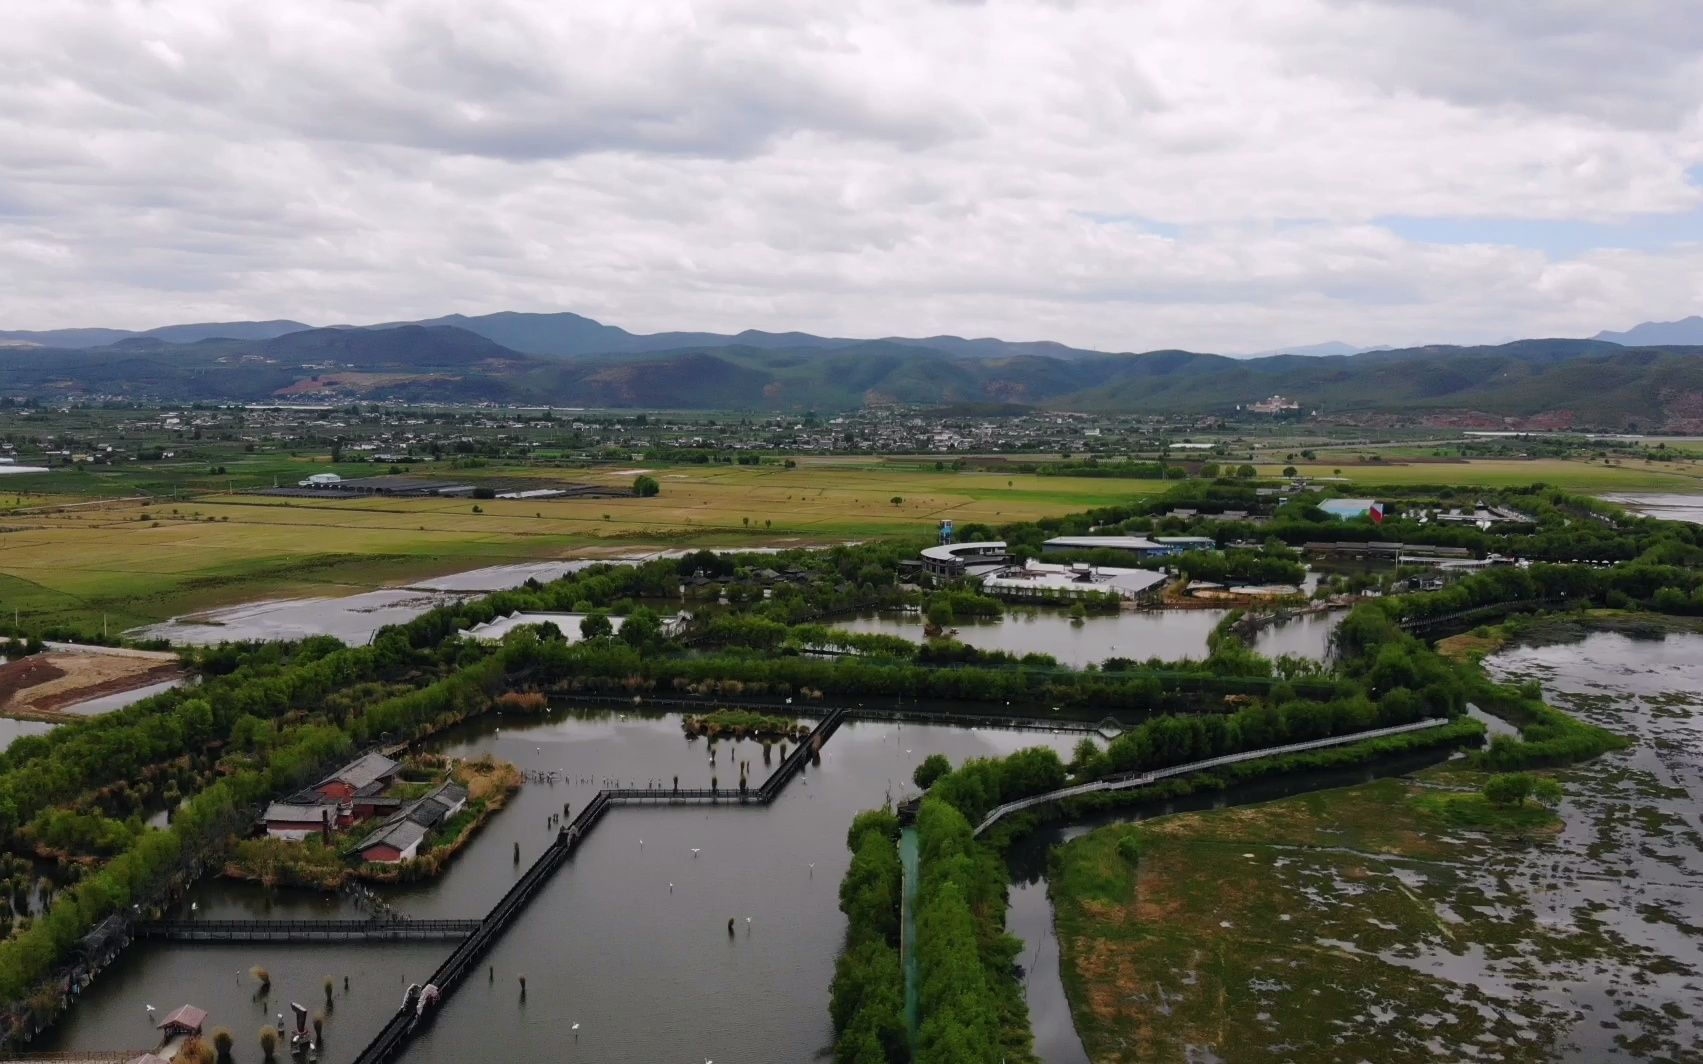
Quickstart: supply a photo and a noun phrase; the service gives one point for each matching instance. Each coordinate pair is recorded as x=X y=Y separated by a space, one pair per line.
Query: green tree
x=642 y=629
x=595 y=626
x=645 y=487
x=932 y=768
x=1509 y=788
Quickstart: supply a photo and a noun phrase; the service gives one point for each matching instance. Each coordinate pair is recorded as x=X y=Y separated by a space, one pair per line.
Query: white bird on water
x=575 y=1027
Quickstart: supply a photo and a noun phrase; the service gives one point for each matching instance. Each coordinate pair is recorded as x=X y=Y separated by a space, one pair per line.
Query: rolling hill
x=1551 y=383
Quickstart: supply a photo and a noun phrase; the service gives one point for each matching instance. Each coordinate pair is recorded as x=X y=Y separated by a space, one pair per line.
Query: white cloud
x=854 y=167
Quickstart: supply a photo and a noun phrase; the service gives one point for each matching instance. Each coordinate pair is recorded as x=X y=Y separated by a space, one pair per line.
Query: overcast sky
x=1226 y=175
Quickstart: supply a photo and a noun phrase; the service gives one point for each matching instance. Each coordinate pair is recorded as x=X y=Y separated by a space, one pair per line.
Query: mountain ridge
x=1549 y=382
x=1685 y=331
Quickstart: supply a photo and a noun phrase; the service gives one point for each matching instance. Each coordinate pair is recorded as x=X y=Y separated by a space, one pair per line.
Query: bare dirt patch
x=46 y=683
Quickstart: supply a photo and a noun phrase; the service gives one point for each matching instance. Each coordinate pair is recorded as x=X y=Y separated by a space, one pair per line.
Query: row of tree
x=867 y=998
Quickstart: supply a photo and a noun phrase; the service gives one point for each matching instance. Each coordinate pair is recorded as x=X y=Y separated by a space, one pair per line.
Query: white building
x=1035 y=579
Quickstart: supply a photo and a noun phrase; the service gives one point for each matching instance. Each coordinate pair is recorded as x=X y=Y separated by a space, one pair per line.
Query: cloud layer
x=1223 y=176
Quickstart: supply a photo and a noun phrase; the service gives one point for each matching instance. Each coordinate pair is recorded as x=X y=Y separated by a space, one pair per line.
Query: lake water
x=118 y=700
x=12 y=730
x=1168 y=634
x=1668 y=507
x=354 y=618
x=351 y=618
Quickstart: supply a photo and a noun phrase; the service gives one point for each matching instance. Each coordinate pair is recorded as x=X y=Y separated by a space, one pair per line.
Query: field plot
x=1567 y=474
x=135 y=563
x=40 y=686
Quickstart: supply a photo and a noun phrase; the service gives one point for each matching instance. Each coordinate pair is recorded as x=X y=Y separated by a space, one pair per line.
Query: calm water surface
x=1168 y=634
x=1687 y=508
x=11 y=730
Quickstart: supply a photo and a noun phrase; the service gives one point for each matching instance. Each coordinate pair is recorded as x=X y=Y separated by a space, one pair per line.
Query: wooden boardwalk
x=307 y=930
x=1134 y=780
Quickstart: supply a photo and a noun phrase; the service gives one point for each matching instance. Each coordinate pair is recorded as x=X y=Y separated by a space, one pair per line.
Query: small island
x=744 y=724
x=428 y=810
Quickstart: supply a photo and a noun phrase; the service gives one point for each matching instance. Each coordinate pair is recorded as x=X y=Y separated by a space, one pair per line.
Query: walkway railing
x=306 y=930
x=1133 y=780
x=1489 y=609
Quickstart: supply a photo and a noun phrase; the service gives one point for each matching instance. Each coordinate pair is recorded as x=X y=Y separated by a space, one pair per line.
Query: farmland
x=136 y=561
x=124 y=545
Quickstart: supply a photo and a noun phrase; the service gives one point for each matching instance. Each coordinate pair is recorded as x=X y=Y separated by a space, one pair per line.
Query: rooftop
x=1103 y=542
x=400 y=833
x=297 y=813
x=187 y=1017
x=945 y=552
x=1074 y=579
x=362 y=771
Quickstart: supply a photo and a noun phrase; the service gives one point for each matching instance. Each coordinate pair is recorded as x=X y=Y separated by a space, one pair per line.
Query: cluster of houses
x=357 y=793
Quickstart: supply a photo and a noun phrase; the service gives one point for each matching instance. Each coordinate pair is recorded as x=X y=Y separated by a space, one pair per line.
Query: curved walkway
x=1131 y=781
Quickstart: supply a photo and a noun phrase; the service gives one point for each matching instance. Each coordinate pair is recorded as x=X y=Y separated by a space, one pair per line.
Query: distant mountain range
x=1333 y=347
x=566 y=335
x=1658 y=333
x=1529 y=383
x=560 y=335
x=176 y=334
